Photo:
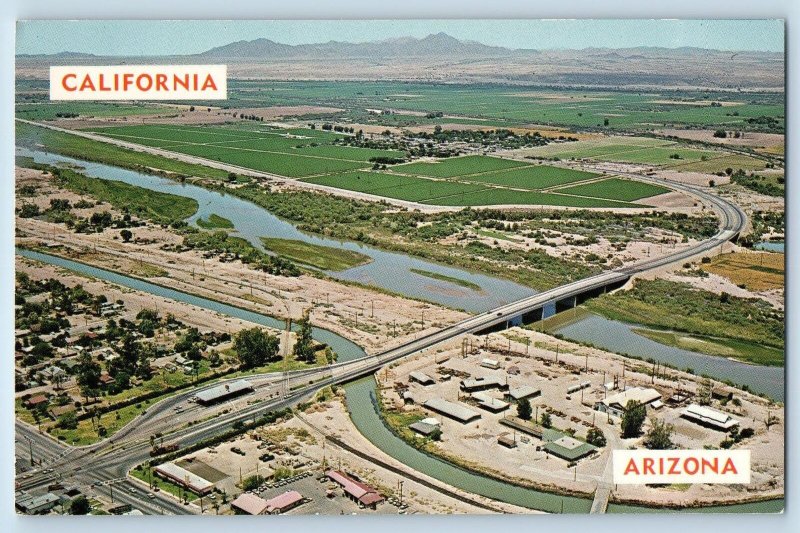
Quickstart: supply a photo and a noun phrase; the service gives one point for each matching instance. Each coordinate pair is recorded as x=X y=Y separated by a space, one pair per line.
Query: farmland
x=313 y=155
x=286 y=152
x=616 y=189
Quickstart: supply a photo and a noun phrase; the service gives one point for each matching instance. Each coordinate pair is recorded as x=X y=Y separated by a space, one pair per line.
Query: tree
x=88 y=373
x=67 y=421
x=659 y=437
x=524 y=409
x=546 y=420
x=633 y=419
x=595 y=437
x=80 y=506
x=252 y=482
x=255 y=347
x=126 y=235
x=720 y=134
x=304 y=345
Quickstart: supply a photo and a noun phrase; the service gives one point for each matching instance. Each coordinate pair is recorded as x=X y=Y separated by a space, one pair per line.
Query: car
x=133 y=490
x=151 y=495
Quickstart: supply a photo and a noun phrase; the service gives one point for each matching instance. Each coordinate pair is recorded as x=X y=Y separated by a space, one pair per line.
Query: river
x=387 y=270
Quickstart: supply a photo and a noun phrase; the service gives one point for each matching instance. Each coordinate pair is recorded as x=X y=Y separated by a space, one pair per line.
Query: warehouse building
x=616 y=403
x=709 y=417
x=452 y=410
x=483 y=383
x=516 y=394
x=421 y=378
x=569 y=448
x=185 y=478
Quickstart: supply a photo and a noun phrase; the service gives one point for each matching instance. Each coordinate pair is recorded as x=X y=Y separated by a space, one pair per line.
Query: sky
x=131 y=38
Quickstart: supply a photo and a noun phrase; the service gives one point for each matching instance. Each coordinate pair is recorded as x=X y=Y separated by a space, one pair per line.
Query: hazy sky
x=188 y=37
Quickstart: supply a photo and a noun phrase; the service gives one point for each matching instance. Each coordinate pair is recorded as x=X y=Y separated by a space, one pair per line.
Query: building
x=223 y=392
x=569 y=448
x=616 y=403
x=284 y=502
x=35 y=401
x=490 y=363
x=508 y=442
x=452 y=410
x=487 y=402
x=185 y=478
x=29 y=504
x=249 y=504
x=423 y=428
x=516 y=394
x=709 y=417
x=357 y=491
x=421 y=378
x=483 y=383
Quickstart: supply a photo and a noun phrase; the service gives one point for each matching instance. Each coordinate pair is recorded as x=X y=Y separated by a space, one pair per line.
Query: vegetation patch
x=616 y=189
x=749 y=352
x=679 y=307
x=450 y=279
x=318 y=256
x=215 y=221
x=757 y=271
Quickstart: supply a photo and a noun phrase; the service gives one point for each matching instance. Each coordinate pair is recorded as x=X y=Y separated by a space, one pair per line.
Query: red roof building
x=38 y=399
x=284 y=502
x=355 y=490
x=249 y=504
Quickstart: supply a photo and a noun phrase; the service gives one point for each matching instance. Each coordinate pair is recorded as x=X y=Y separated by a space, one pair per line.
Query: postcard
x=395 y=267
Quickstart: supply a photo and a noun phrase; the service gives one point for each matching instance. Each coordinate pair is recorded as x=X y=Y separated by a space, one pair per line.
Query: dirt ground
x=750 y=139
x=299 y=444
x=372 y=319
x=535 y=365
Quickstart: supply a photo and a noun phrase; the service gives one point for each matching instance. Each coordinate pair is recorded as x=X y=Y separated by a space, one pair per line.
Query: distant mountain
x=434 y=45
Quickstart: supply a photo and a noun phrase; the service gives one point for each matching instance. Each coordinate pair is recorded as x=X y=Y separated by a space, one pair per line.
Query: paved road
x=111 y=459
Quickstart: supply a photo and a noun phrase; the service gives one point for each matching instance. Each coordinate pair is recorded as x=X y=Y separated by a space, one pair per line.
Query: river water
x=252 y=222
x=387 y=270
x=619 y=337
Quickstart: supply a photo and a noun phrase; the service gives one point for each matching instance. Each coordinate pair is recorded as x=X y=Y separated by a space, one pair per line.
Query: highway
x=98 y=465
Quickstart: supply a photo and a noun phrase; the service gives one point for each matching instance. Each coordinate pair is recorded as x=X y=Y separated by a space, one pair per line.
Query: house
x=249 y=504
x=284 y=502
x=616 y=404
x=569 y=448
x=35 y=401
x=706 y=416
x=423 y=428
x=357 y=491
x=106 y=379
x=30 y=504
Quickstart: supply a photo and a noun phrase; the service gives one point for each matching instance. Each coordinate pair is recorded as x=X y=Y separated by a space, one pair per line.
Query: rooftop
x=710 y=416
x=282 y=501
x=250 y=504
x=453 y=410
x=223 y=391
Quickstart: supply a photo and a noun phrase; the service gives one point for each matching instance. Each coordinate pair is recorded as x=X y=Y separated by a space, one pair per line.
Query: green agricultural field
x=322 y=257
x=720 y=164
x=496 y=196
x=399 y=187
x=38 y=138
x=287 y=152
x=52 y=110
x=458 y=166
x=616 y=189
x=634 y=150
x=532 y=177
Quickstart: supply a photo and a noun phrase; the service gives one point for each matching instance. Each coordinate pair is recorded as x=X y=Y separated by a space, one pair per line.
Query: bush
x=252 y=482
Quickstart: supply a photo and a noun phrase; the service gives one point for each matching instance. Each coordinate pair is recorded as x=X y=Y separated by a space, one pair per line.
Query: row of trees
x=256 y=347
